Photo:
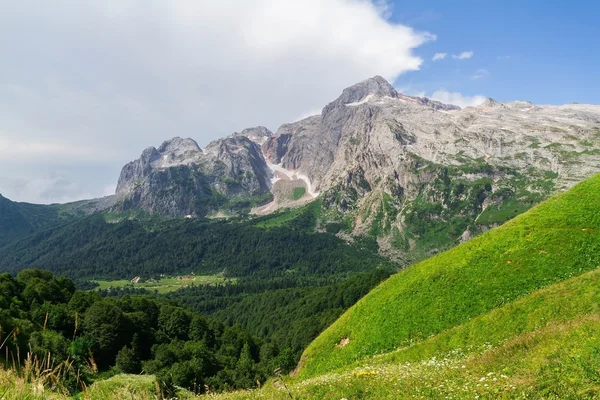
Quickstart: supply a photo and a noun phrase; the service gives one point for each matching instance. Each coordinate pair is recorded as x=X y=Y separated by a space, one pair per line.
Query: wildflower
x=364 y=373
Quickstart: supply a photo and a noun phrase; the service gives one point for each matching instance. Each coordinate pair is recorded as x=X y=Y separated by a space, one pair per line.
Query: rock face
x=401 y=166
x=373 y=127
x=179 y=178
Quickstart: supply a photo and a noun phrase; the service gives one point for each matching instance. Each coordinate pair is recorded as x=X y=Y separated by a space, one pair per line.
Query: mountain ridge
x=418 y=174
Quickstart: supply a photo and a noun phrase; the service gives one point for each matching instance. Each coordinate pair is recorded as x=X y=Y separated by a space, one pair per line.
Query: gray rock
x=179 y=178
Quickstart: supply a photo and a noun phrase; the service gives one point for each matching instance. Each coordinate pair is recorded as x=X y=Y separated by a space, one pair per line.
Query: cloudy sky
x=85 y=86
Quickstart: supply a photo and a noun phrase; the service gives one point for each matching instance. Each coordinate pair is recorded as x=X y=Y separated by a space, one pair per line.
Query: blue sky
x=546 y=52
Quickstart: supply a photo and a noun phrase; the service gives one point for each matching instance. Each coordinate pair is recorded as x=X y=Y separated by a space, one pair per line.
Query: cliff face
x=179 y=178
x=373 y=127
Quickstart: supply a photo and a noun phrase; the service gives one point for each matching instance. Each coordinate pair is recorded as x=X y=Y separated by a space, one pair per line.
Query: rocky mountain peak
x=491 y=103
x=257 y=131
x=258 y=134
x=375 y=87
x=372 y=88
x=149 y=155
x=178 y=146
x=370 y=143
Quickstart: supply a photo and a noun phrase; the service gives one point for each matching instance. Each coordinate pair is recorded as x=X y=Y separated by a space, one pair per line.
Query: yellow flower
x=364 y=373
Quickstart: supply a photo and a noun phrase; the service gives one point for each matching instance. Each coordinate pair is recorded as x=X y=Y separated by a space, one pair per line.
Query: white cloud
x=463 y=56
x=456 y=98
x=93 y=83
x=439 y=56
x=44 y=189
x=384 y=7
x=480 y=74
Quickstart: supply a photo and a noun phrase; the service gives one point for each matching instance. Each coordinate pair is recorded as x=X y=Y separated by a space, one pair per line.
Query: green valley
x=163 y=284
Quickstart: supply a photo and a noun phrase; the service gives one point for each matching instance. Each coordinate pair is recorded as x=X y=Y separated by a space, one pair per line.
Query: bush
x=128 y=361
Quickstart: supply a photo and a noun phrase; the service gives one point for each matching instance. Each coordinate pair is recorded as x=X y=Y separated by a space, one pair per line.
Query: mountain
x=416 y=173
x=513 y=313
x=179 y=178
x=18 y=220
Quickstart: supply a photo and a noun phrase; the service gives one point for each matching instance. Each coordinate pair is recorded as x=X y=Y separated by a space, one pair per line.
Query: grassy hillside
x=18 y=220
x=559 y=361
x=552 y=242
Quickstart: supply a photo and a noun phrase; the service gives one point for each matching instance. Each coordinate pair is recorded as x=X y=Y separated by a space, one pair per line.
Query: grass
x=125 y=387
x=164 y=285
x=281 y=218
x=289 y=216
x=573 y=299
x=298 y=193
x=499 y=213
x=552 y=242
x=559 y=361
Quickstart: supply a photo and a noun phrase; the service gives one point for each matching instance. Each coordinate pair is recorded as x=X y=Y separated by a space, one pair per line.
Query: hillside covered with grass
x=556 y=240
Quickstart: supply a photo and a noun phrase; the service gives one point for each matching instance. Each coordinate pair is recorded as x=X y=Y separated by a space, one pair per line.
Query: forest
x=84 y=336
x=91 y=248
x=291 y=280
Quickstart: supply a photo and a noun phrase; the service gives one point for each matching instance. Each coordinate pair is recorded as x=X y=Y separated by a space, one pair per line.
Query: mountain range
x=415 y=173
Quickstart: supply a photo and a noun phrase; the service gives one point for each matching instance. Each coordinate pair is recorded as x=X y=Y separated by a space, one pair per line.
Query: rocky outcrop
x=179 y=178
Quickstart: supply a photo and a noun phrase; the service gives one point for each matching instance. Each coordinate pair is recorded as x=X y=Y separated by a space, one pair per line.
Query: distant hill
x=18 y=220
x=271 y=248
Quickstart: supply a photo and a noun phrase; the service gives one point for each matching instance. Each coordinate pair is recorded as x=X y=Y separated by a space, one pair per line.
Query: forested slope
x=94 y=248
x=18 y=220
